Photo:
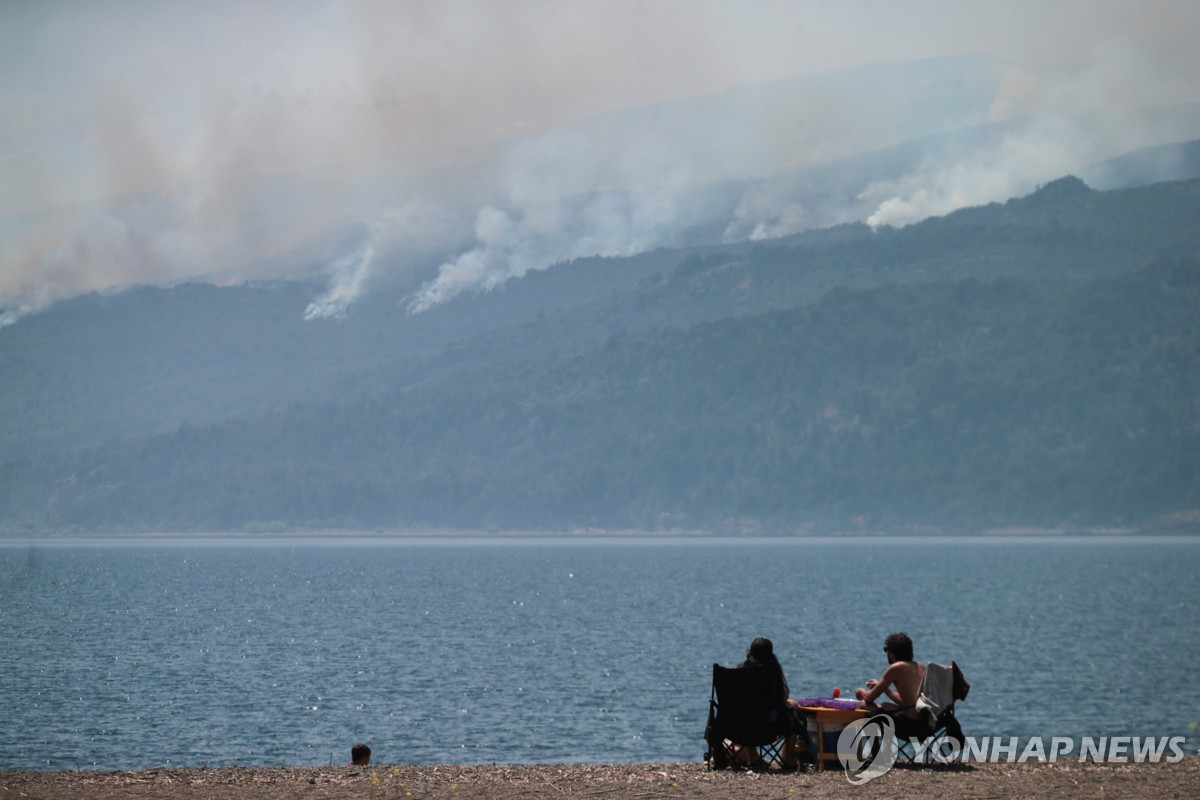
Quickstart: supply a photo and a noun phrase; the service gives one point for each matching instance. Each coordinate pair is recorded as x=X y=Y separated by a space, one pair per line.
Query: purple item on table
x=829 y=702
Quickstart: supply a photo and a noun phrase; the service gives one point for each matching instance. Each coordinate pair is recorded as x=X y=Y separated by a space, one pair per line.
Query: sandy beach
x=649 y=781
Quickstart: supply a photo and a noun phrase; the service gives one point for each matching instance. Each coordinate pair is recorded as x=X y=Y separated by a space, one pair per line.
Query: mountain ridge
x=426 y=434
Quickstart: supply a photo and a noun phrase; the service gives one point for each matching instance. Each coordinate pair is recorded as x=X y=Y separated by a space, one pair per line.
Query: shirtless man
x=901 y=681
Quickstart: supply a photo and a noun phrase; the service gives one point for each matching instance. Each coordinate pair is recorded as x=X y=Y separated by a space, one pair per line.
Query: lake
x=136 y=653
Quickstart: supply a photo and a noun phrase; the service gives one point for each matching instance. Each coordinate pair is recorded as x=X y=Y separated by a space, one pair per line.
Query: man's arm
x=882 y=686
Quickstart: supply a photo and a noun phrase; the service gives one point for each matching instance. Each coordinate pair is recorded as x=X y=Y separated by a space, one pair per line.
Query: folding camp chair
x=745 y=727
x=919 y=740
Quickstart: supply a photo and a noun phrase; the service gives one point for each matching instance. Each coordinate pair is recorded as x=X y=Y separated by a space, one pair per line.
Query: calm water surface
x=128 y=654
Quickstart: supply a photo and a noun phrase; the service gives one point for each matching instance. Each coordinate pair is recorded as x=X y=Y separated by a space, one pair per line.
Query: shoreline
x=679 y=780
x=589 y=536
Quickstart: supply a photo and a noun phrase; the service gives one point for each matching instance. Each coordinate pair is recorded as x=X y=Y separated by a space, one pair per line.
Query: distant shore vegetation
x=1033 y=365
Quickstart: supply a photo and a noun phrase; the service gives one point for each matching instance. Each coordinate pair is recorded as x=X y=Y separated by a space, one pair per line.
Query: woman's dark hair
x=762 y=654
x=900 y=645
x=762 y=651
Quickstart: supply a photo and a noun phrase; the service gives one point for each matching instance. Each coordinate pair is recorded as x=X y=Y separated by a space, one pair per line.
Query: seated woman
x=761 y=655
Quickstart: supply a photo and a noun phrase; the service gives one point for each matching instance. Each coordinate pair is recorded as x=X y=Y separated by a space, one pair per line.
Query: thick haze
x=448 y=146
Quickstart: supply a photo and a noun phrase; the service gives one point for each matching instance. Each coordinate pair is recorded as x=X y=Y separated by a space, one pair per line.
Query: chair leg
x=719 y=755
x=954 y=730
x=726 y=754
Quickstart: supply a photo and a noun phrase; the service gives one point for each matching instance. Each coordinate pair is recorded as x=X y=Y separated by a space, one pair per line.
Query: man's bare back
x=901 y=681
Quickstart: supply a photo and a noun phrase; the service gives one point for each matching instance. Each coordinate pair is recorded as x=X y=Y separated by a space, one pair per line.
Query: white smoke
x=509 y=244
x=153 y=143
x=215 y=231
x=1021 y=161
x=1038 y=153
x=348 y=277
x=1059 y=122
x=571 y=194
x=774 y=210
x=108 y=246
x=214 y=113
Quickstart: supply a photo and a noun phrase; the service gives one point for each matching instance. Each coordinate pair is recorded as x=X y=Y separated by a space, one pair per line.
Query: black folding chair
x=746 y=729
x=921 y=740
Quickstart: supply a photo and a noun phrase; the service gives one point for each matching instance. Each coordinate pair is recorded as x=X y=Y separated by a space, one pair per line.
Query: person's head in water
x=898 y=647
x=360 y=755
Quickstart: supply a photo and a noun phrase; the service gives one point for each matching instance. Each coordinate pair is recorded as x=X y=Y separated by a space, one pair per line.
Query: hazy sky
x=159 y=141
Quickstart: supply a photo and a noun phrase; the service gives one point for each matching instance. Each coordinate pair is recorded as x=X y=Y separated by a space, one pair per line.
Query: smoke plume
x=168 y=141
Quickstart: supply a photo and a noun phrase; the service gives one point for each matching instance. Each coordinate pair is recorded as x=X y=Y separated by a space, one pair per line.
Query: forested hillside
x=1034 y=363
